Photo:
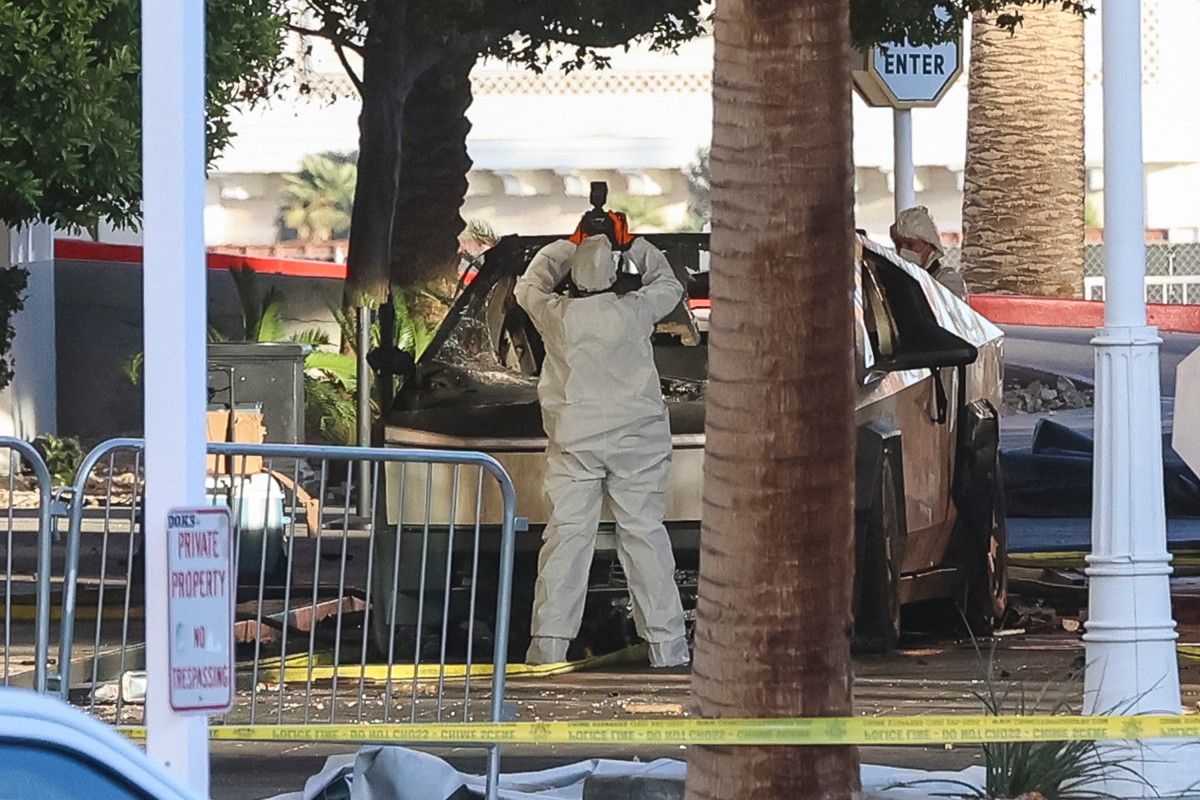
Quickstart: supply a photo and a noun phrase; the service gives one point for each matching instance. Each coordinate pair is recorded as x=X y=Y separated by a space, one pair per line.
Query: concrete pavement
x=926 y=676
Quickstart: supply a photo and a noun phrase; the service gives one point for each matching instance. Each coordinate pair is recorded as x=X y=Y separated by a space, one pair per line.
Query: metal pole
x=363 y=479
x=387 y=341
x=1132 y=666
x=175 y=299
x=902 y=159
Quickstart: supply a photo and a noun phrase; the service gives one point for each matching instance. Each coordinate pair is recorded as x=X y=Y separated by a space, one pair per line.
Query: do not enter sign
x=202 y=585
x=900 y=75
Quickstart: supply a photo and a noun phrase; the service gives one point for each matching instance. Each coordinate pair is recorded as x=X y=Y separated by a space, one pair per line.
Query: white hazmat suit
x=603 y=411
x=916 y=223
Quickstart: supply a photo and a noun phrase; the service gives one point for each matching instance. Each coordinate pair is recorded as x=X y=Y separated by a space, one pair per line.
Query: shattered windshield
x=488 y=346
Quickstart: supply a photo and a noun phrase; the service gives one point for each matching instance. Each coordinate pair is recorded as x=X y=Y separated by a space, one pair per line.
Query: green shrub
x=63 y=456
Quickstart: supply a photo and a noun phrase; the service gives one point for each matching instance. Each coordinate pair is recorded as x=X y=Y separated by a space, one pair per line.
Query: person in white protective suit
x=917 y=239
x=603 y=411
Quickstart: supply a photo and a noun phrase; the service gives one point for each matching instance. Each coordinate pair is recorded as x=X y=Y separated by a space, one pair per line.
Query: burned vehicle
x=929 y=509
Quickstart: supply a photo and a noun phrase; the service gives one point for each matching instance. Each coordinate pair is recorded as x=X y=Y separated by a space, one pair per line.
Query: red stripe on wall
x=1001 y=309
x=1054 y=313
x=81 y=250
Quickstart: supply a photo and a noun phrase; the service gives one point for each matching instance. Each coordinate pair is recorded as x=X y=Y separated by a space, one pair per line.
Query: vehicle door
x=910 y=380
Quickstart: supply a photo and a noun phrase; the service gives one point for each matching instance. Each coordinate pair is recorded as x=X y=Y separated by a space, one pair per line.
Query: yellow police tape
x=301 y=668
x=1075 y=559
x=691 y=731
x=27 y=612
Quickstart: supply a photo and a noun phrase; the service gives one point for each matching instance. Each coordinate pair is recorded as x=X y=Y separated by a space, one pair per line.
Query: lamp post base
x=1132 y=666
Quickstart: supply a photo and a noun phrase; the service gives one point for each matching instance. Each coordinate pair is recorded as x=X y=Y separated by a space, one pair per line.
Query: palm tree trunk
x=1023 y=193
x=777 y=545
x=433 y=173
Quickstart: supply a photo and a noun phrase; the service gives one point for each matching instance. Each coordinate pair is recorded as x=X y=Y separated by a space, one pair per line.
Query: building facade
x=538 y=140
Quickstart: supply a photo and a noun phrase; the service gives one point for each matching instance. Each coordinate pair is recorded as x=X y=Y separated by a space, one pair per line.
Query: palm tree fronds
x=340 y=367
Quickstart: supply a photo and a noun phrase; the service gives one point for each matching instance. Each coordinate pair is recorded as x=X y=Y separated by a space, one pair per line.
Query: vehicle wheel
x=987 y=588
x=880 y=530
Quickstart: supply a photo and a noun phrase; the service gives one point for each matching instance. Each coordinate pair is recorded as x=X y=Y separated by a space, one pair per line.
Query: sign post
x=902 y=77
x=174 y=327
x=903 y=171
x=202 y=578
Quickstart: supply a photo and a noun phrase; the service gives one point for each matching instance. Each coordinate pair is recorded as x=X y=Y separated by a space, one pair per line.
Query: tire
x=880 y=534
x=980 y=546
x=987 y=590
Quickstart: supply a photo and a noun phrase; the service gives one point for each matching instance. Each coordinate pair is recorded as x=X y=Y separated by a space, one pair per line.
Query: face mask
x=914 y=257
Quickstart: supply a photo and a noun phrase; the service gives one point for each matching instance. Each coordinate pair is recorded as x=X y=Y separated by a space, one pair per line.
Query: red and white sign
x=202 y=588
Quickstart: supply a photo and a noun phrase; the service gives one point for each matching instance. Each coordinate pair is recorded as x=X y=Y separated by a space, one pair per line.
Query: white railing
x=1176 y=289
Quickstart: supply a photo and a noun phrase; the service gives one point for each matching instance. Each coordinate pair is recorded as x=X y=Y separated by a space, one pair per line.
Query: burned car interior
x=488 y=346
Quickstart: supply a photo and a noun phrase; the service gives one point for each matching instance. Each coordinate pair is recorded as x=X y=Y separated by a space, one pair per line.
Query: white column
x=28 y=406
x=902 y=159
x=1132 y=666
x=175 y=310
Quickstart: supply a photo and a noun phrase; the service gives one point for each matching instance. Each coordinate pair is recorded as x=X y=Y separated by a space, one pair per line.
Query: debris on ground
x=672 y=709
x=1047 y=393
x=1033 y=616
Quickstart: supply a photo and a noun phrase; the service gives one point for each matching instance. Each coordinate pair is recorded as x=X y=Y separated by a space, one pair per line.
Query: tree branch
x=339 y=48
x=336 y=39
x=616 y=39
x=477 y=41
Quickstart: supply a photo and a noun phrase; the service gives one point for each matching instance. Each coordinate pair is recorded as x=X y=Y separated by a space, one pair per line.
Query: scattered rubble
x=1040 y=396
x=671 y=709
x=683 y=390
x=20 y=498
x=106 y=693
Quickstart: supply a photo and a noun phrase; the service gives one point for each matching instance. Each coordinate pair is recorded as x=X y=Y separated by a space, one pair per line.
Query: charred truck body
x=929 y=509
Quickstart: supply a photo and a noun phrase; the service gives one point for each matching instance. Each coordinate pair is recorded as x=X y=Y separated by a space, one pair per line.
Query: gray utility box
x=265 y=374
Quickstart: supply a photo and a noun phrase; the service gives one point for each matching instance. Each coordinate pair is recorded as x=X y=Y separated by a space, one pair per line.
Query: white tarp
x=397 y=773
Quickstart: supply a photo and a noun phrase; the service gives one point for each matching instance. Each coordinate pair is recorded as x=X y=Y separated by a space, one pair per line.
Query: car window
x=903 y=331
x=36 y=771
x=877 y=315
x=519 y=347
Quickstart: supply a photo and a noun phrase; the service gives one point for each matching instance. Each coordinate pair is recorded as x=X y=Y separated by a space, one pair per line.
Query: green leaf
x=132 y=367
x=70 y=100
x=246 y=283
x=270 y=327
x=330 y=412
x=314 y=337
x=338 y=366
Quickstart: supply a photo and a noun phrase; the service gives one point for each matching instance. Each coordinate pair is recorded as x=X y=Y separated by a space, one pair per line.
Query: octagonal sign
x=1185 y=436
x=900 y=75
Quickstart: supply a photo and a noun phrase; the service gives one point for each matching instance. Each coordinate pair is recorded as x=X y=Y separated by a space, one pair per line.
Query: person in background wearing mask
x=609 y=435
x=917 y=240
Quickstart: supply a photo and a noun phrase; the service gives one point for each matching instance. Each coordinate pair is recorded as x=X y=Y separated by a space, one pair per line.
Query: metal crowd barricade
x=341 y=618
x=27 y=569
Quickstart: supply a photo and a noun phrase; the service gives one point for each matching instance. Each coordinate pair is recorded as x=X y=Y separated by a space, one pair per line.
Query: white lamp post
x=904 y=196
x=175 y=300
x=1131 y=660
